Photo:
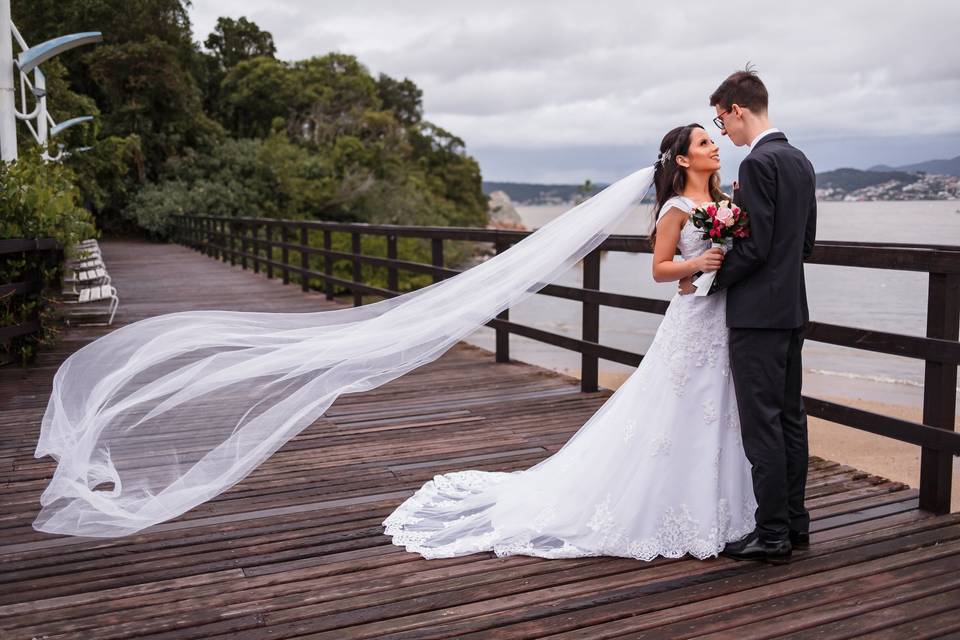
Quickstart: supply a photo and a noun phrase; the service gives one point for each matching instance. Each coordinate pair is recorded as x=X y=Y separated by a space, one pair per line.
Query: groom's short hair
x=743 y=88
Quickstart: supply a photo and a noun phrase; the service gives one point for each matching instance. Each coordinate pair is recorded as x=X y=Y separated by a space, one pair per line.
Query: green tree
x=333 y=93
x=234 y=41
x=148 y=93
x=584 y=191
x=402 y=97
x=454 y=174
x=254 y=93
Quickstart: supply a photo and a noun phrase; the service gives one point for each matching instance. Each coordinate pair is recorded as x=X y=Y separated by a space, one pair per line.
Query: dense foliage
x=38 y=200
x=226 y=128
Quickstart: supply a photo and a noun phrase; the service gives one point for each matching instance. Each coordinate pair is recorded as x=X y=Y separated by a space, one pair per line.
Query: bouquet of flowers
x=718 y=221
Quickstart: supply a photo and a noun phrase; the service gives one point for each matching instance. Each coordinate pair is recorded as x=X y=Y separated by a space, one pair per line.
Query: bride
x=659 y=469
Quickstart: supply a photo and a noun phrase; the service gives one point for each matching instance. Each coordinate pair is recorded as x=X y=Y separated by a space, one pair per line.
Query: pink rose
x=725 y=216
x=712 y=210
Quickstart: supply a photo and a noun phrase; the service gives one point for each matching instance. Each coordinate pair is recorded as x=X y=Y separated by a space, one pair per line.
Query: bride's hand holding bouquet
x=719 y=221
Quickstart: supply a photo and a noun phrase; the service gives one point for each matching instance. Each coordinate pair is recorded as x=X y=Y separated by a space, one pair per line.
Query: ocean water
x=894 y=301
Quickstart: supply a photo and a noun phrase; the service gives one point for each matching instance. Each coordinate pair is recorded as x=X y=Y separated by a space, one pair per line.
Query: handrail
x=26 y=283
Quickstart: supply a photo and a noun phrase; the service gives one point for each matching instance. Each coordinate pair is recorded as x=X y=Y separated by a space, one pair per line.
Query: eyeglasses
x=719 y=122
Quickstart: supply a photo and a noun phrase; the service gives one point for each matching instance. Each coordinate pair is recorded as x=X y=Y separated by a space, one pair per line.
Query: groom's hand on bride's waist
x=686 y=284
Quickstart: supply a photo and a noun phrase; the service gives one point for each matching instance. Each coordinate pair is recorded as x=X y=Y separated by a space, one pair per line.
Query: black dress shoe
x=753 y=547
x=799 y=539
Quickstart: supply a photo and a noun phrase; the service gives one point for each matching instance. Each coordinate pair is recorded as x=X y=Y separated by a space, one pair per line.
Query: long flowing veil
x=163 y=414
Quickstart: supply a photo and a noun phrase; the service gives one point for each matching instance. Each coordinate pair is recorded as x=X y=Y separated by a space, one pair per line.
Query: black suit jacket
x=763 y=274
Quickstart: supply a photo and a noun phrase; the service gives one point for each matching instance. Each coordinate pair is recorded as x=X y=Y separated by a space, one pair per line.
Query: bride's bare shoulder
x=673 y=213
x=675 y=210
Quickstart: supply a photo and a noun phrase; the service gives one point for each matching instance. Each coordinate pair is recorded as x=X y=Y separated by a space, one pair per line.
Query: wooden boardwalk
x=296 y=549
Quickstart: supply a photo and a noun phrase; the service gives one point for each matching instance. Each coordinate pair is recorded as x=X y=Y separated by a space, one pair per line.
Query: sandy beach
x=875 y=454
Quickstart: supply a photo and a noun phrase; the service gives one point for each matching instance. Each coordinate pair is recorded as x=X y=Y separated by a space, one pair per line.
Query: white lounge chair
x=98 y=293
x=88 y=263
x=95 y=276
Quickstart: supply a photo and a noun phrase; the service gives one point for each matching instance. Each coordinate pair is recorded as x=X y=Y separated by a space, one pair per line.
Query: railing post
x=212 y=238
x=285 y=252
x=255 y=235
x=503 y=334
x=357 y=273
x=244 y=245
x=392 y=280
x=268 y=237
x=304 y=258
x=939 y=391
x=328 y=263
x=589 y=365
x=217 y=226
x=230 y=229
x=436 y=256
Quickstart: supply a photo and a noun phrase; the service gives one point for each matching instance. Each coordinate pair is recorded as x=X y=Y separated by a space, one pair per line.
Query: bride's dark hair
x=669 y=178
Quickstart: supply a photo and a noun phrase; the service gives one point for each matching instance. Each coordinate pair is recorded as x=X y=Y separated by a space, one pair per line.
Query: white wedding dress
x=658 y=470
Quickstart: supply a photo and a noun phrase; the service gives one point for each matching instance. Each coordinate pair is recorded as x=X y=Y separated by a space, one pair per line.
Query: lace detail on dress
x=677 y=532
x=660 y=445
x=709 y=411
x=602 y=518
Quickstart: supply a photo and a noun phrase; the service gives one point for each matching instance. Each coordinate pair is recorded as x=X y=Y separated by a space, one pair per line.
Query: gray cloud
x=540 y=77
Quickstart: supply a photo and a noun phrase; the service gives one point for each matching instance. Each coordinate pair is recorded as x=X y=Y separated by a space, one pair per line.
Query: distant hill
x=853 y=179
x=526 y=194
x=949 y=167
x=934 y=179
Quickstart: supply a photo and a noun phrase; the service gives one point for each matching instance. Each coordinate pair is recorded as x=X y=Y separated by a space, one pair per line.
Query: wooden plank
x=666 y=605
x=944 y=625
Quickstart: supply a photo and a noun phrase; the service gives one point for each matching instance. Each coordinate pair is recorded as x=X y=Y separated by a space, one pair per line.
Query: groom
x=767 y=315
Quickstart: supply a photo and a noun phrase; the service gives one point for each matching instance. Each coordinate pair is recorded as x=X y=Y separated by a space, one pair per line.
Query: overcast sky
x=565 y=91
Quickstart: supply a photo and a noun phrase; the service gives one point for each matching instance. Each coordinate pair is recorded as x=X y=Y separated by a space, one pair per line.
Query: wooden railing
x=255 y=241
x=28 y=282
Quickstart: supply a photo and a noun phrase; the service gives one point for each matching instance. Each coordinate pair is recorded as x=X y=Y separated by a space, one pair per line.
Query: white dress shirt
x=763 y=133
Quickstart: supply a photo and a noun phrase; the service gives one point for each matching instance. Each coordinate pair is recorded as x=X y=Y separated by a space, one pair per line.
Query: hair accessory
x=663 y=157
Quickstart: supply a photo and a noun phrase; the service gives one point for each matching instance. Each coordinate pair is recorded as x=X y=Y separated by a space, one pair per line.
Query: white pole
x=40 y=83
x=8 y=121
